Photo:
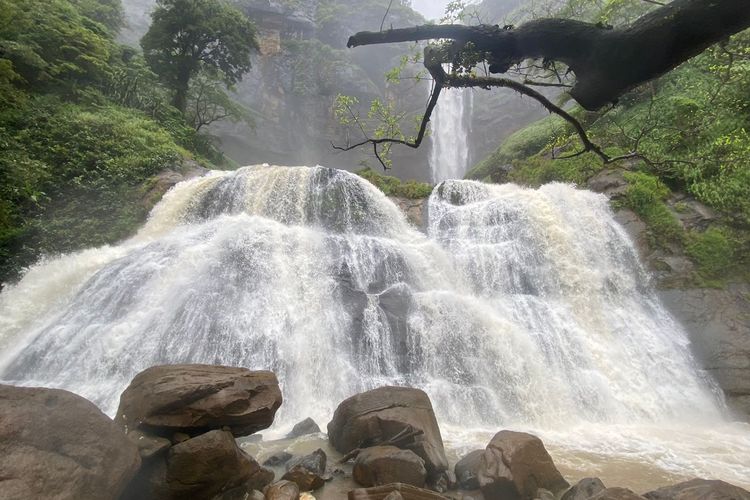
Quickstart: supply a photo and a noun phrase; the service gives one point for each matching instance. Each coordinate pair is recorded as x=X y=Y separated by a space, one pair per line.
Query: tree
x=189 y=36
x=606 y=62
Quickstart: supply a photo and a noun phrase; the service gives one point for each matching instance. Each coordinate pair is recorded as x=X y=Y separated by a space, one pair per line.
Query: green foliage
x=541 y=169
x=393 y=186
x=188 y=36
x=714 y=253
x=645 y=195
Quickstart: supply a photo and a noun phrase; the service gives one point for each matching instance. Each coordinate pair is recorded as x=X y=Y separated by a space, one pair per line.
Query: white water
x=523 y=309
x=449 y=156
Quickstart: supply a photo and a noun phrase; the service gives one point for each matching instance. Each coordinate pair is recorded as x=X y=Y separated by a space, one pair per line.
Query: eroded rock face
x=381 y=465
x=375 y=417
x=515 y=465
x=616 y=494
x=56 y=445
x=197 y=398
x=699 y=489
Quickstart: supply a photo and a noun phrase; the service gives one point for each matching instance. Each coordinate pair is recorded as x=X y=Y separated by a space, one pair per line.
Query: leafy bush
x=393 y=186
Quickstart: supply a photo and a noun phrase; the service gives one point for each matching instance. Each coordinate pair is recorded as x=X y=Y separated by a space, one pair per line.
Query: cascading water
x=449 y=156
x=519 y=309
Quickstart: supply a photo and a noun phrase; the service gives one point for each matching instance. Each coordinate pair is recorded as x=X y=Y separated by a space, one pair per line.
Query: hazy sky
x=431 y=9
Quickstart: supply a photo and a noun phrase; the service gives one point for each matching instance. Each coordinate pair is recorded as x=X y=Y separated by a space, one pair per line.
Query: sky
x=431 y=9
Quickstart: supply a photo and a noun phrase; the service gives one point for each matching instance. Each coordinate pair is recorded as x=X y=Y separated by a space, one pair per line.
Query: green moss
x=393 y=186
x=645 y=195
x=541 y=169
x=713 y=252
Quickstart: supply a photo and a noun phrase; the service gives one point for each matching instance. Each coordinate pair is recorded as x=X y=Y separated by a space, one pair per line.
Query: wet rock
x=467 y=469
x=445 y=481
x=617 y=494
x=308 y=471
x=307 y=426
x=542 y=494
x=394 y=491
x=584 y=489
x=381 y=465
x=283 y=490
x=149 y=446
x=55 y=444
x=194 y=399
x=277 y=459
x=699 y=489
x=515 y=465
x=397 y=416
x=208 y=465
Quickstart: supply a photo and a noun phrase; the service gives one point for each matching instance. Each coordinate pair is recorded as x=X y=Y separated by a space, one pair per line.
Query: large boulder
x=205 y=466
x=584 y=489
x=515 y=465
x=377 y=417
x=307 y=426
x=194 y=399
x=395 y=491
x=387 y=464
x=699 y=489
x=56 y=445
x=467 y=469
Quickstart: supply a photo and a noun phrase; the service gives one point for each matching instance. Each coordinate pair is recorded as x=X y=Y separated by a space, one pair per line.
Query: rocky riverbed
x=191 y=431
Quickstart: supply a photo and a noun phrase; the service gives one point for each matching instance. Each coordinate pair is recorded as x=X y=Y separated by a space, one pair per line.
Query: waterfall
x=450 y=156
x=519 y=307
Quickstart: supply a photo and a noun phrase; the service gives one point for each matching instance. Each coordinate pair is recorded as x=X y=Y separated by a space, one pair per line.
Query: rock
x=194 y=399
x=308 y=471
x=278 y=458
x=149 y=446
x=467 y=469
x=374 y=417
x=515 y=465
x=55 y=444
x=610 y=182
x=542 y=494
x=584 y=489
x=445 y=481
x=283 y=490
x=207 y=465
x=381 y=465
x=699 y=489
x=307 y=426
x=718 y=325
x=617 y=494
x=404 y=491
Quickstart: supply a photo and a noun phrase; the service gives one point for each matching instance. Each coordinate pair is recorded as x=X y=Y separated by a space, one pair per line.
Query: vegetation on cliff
x=84 y=124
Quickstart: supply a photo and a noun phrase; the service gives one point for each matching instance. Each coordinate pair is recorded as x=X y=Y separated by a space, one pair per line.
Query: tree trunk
x=606 y=62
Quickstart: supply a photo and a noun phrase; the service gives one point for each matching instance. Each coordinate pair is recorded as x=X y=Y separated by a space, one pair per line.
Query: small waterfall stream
x=519 y=308
x=450 y=156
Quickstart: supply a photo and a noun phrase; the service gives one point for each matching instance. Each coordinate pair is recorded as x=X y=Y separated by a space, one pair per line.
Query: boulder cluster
x=174 y=437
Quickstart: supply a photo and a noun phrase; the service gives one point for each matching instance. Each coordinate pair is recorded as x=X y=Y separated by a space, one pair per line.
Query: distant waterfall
x=450 y=157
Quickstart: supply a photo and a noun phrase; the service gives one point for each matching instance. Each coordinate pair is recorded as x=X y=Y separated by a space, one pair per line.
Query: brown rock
x=197 y=398
x=149 y=446
x=57 y=445
x=381 y=465
x=307 y=426
x=307 y=472
x=616 y=494
x=283 y=490
x=515 y=465
x=375 y=417
x=584 y=489
x=208 y=465
x=699 y=489
x=467 y=469
x=405 y=491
